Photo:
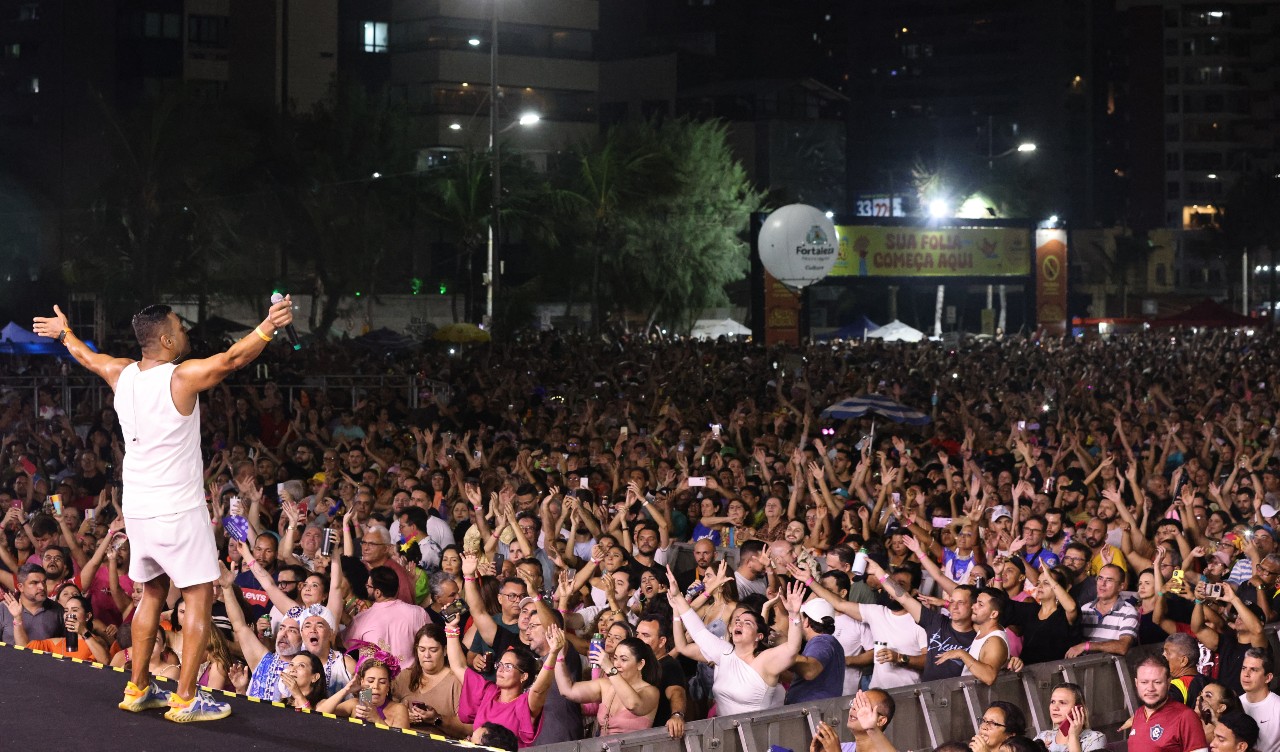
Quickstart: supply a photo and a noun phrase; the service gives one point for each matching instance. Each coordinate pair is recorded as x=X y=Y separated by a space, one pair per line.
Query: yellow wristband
x=262 y=336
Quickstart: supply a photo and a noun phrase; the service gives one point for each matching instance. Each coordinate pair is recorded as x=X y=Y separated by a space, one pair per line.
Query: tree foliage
x=649 y=220
x=678 y=249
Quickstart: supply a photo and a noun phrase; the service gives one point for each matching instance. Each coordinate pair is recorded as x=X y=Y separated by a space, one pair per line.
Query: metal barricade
x=918 y=716
x=787 y=727
x=77 y=394
x=926 y=715
x=1108 y=687
x=1038 y=681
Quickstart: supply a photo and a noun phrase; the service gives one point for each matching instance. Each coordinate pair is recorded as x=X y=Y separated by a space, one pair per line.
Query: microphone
x=290 y=334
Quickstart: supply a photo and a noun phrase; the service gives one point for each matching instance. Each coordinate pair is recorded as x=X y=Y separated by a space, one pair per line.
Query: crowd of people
x=497 y=562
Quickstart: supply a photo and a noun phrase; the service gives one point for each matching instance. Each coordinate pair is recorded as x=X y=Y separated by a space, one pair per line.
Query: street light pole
x=495 y=174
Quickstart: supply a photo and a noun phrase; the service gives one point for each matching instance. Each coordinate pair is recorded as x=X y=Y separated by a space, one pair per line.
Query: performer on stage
x=170 y=538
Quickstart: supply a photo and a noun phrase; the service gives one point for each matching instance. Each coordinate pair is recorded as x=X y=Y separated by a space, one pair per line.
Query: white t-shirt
x=855 y=638
x=758 y=586
x=901 y=633
x=975 y=648
x=1267 y=714
x=163 y=468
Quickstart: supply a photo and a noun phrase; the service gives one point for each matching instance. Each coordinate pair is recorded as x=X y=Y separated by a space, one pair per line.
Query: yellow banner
x=924 y=252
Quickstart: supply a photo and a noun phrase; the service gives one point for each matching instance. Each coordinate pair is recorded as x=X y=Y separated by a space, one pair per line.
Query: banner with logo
x=781 y=313
x=1051 y=280
x=932 y=252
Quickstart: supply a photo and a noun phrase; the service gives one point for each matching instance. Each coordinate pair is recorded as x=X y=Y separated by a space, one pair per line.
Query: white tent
x=896 y=331
x=715 y=328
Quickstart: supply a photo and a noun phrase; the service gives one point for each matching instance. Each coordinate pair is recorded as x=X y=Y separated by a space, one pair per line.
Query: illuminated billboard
x=932 y=252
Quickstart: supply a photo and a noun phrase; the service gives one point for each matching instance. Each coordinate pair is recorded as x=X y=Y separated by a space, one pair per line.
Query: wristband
x=468 y=579
x=496 y=535
x=809 y=582
x=559 y=659
x=262 y=335
x=677 y=714
x=1088 y=647
x=548 y=667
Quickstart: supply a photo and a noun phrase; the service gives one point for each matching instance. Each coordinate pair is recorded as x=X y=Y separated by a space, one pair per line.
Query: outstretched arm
x=194 y=376
x=106 y=367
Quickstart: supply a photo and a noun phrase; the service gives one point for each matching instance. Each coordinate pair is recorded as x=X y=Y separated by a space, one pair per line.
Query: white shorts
x=180 y=545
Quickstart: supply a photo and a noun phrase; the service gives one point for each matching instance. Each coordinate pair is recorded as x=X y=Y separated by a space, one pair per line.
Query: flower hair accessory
x=376 y=653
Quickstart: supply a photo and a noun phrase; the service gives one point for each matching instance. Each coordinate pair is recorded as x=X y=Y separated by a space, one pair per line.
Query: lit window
x=375 y=36
x=33 y=85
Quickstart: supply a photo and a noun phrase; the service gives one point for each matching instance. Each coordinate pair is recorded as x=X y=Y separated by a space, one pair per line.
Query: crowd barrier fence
x=926 y=714
x=78 y=393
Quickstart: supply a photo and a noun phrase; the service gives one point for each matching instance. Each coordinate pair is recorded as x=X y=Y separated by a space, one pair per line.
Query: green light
x=415 y=284
x=357 y=293
x=443 y=289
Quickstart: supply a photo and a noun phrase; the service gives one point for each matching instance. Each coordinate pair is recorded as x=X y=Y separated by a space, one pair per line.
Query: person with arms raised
x=157 y=401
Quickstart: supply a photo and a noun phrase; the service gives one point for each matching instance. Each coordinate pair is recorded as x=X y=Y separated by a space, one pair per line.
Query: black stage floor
x=51 y=703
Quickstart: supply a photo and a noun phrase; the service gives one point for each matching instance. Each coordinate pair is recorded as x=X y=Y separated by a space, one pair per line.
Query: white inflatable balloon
x=798 y=245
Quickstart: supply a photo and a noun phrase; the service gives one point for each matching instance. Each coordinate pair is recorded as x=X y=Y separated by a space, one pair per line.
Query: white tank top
x=163 y=469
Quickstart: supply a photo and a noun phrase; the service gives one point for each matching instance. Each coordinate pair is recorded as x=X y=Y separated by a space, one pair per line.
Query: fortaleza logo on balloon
x=798 y=245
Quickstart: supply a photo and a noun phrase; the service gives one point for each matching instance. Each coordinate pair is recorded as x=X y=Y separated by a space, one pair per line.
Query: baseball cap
x=1268 y=511
x=316 y=609
x=318 y=478
x=999 y=511
x=818 y=609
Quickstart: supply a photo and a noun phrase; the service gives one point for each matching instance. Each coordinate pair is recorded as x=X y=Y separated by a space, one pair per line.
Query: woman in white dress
x=746 y=678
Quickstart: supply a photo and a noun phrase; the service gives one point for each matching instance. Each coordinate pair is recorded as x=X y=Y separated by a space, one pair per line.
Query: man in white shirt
x=1258 y=700
x=893 y=632
x=854 y=636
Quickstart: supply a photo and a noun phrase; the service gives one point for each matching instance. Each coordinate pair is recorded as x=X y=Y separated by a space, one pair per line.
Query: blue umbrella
x=857 y=407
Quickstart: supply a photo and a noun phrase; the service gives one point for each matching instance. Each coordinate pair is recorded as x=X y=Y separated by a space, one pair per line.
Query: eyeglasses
x=283 y=583
x=1272 y=572
x=511 y=596
x=1077 y=559
x=989 y=722
x=507 y=667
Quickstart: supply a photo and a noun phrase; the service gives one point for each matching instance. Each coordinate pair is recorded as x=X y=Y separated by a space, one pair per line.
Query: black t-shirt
x=942 y=637
x=1086 y=591
x=1150 y=633
x=1178 y=608
x=672 y=676
x=1230 y=661
x=1044 y=639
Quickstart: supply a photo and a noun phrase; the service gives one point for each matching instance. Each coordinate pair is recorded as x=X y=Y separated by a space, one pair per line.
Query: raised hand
x=555 y=638
x=13 y=604
x=50 y=326
x=238 y=673
x=793 y=598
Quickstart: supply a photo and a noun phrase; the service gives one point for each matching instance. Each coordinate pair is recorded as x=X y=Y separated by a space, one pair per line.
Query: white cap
x=1268 y=511
x=999 y=511
x=818 y=609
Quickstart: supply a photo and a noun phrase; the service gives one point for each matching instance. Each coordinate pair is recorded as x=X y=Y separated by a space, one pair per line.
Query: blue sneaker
x=202 y=707
x=137 y=700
